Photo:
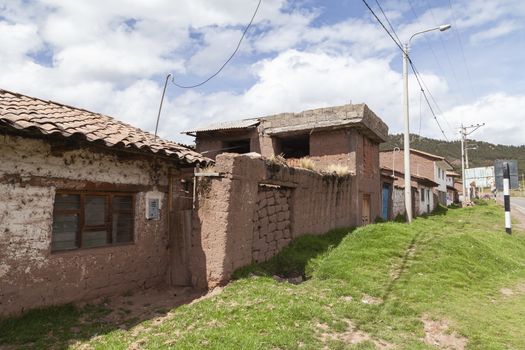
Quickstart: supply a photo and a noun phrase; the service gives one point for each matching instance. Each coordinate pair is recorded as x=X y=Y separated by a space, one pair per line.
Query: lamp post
x=406 y=150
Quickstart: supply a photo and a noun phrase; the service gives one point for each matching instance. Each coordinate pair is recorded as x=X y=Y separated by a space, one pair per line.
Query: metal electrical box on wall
x=153 y=205
x=153 y=209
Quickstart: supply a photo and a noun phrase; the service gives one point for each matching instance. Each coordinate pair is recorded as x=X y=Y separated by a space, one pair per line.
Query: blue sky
x=112 y=57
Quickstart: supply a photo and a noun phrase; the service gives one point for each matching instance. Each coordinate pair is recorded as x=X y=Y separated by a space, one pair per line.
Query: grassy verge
x=370 y=288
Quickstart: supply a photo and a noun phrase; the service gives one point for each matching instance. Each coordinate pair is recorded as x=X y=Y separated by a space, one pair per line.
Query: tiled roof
x=415 y=179
x=228 y=125
x=25 y=113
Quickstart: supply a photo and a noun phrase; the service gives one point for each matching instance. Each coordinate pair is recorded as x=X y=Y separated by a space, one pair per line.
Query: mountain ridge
x=485 y=154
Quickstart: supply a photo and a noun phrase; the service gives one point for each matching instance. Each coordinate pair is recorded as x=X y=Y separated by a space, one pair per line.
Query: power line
x=419 y=80
x=458 y=36
x=412 y=66
x=227 y=61
x=433 y=100
x=211 y=76
x=444 y=48
x=388 y=21
x=440 y=67
x=382 y=25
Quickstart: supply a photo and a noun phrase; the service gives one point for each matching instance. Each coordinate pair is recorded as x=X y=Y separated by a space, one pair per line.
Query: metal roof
x=25 y=114
x=227 y=125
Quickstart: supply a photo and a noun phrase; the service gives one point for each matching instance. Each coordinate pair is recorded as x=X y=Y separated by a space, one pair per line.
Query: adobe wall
x=333 y=148
x=368 y=172
x=419 y=165
x=256 y=208
x=33 y=276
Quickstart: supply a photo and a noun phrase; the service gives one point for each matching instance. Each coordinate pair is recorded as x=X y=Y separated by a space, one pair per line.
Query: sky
x=112 y=57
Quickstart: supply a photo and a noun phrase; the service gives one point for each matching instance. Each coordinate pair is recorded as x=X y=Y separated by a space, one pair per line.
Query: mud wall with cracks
x=31 y=171
x=256 y=207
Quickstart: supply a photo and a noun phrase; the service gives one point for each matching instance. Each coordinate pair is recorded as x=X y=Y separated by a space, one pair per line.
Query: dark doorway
x=297 y=146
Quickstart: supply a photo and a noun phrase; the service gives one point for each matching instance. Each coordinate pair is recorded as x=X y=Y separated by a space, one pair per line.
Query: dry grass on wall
x=338 y=169
x=306 y=163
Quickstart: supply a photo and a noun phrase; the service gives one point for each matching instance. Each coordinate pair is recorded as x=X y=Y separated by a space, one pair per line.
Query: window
x=296 y=146
x=86 y=220
x=422 y=195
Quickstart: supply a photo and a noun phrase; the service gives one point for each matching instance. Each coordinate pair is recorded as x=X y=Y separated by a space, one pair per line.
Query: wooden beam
x=77 y=185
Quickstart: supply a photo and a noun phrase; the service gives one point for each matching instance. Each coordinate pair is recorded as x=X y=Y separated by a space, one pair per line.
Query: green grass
x=449 y=266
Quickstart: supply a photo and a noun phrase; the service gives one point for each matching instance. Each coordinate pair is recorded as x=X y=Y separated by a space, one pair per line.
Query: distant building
x=452 y=192
x=422 y=164
x=422 y=188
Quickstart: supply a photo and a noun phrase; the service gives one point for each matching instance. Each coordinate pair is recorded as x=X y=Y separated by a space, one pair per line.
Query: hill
x=485 y=155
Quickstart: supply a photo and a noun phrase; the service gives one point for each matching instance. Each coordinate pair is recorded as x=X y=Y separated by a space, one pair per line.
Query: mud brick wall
x=271 y=222
x=256 y=207
x=31 y=172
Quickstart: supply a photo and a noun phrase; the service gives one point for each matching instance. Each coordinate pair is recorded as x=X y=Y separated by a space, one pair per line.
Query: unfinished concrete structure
x=327 y=136
x=88 y=205
x=422 y=164
x=346 y=136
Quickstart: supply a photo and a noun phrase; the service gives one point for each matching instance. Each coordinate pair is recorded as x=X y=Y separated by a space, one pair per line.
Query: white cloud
x=110 y=57
x=503 y=115
x=501 y=29
x=294 y=81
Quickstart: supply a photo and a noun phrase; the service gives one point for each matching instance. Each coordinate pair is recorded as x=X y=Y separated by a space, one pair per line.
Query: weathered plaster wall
x=30 y=274
x=239 y=221
x=398 y=201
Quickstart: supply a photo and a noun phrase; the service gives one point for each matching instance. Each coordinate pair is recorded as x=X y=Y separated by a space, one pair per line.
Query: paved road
x=518 y=202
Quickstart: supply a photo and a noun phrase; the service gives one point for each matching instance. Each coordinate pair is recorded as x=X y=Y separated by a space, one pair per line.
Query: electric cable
x=226 y=62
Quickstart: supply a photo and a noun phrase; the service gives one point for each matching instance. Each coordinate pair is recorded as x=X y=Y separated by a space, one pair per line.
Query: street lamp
x=396 y=149
x=406 y=150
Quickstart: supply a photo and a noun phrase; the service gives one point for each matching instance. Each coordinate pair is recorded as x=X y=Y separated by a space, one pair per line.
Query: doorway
x=365 y=213
x=385 y=201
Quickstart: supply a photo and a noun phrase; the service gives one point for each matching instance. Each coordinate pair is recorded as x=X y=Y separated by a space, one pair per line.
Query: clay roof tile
x=22 y=112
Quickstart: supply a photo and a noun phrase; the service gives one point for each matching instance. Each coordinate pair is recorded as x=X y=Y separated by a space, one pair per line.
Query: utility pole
x=467 y=147
x=464 y=134
x=406 y=140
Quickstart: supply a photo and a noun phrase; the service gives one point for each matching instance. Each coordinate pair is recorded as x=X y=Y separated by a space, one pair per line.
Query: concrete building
x=327 y=136
x=422 y=164
x=86 y=205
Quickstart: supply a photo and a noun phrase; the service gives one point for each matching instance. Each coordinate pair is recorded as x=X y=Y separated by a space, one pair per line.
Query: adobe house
x=89 y=206
x=346 y=136
x=422 y=164
x=421 y=188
